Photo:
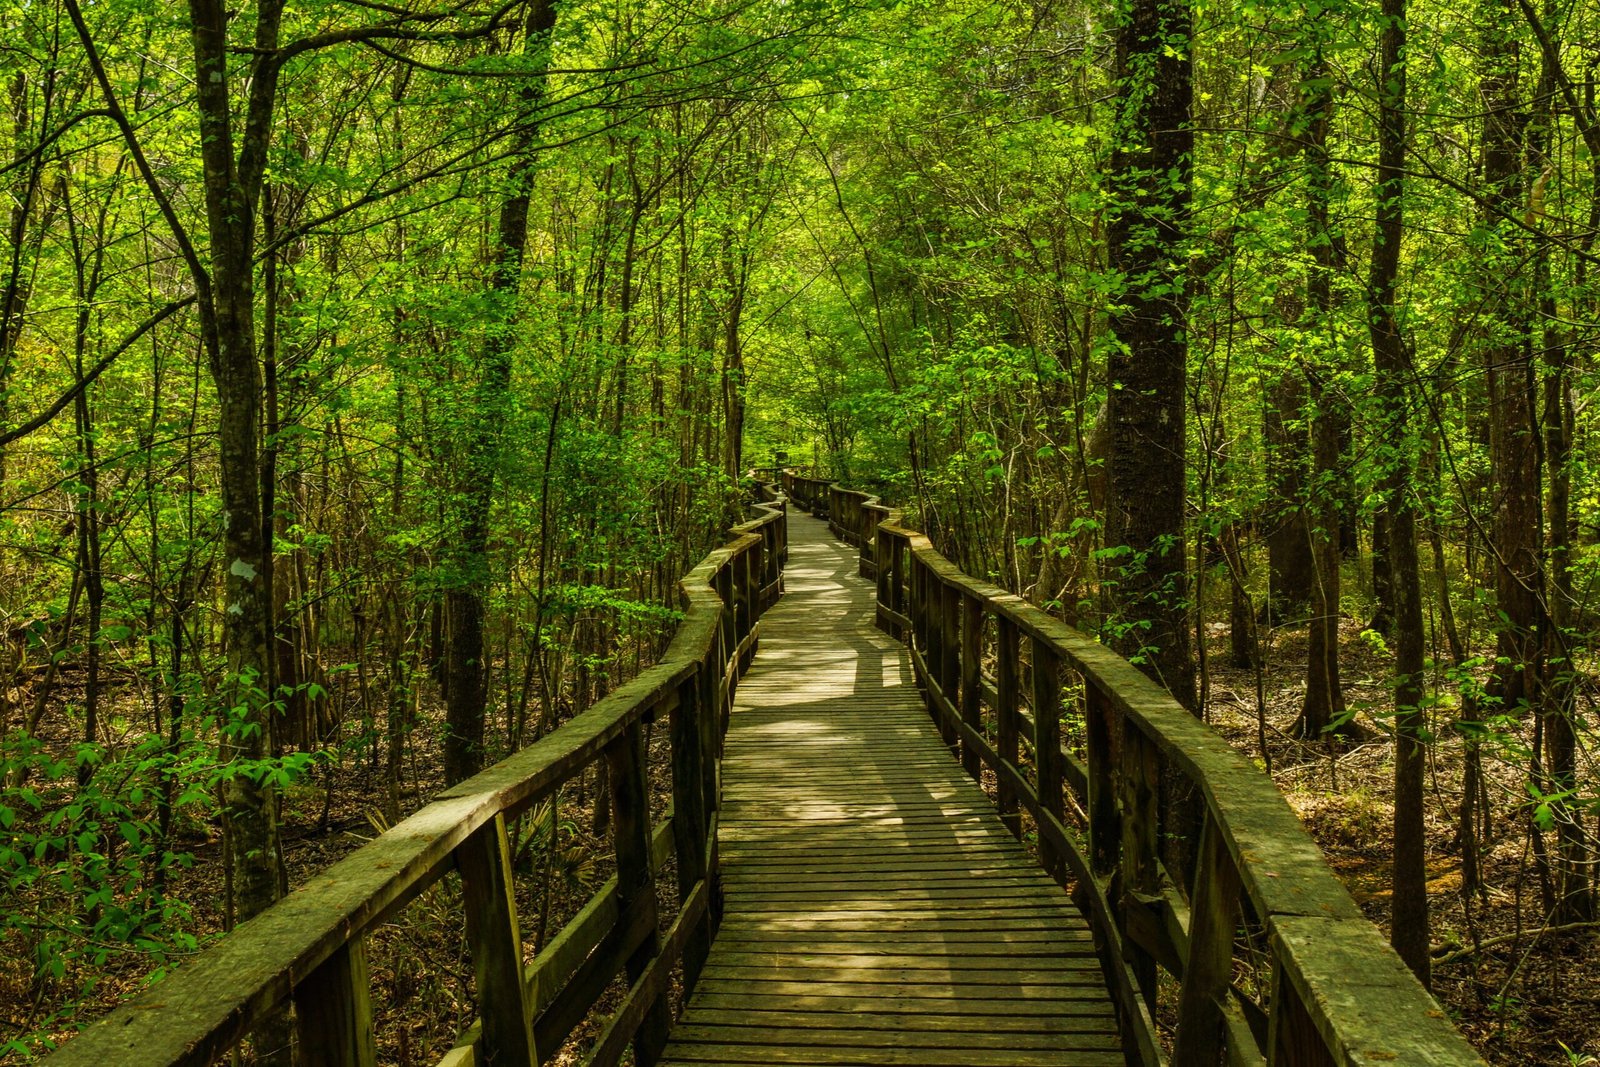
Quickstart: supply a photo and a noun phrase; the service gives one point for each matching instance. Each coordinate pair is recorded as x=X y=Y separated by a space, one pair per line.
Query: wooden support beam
x=1008 y=653
x=1047 y=744
x=971 y=673
x=333 y=1010
x=690 y=821
x=496 y=944
x=630 y=836
x=1208 y=970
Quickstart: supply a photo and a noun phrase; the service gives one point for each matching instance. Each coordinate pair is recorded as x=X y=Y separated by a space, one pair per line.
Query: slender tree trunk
x=1409 y=921
x=1324 y=707
x=1513 y=423
x=230 y=341
x=1575 y=896
x=466 y=601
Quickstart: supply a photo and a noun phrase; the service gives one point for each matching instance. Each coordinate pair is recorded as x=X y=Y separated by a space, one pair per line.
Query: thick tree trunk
x=1148 y=364
x=1409 y=920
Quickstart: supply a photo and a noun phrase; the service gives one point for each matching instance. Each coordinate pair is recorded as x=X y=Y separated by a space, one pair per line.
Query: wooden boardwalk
x=877 y=911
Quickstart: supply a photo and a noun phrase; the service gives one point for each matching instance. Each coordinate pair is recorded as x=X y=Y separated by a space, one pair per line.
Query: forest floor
x=421 y=973
x=1522 y=996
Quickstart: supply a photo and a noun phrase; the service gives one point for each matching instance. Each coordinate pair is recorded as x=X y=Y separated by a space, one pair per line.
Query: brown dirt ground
x=1530 y=999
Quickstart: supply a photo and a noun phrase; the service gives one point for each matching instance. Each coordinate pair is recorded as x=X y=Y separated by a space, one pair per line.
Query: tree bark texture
x=1409 y=922
x=1324 y=705
x=1150 y=183
x=466 y=691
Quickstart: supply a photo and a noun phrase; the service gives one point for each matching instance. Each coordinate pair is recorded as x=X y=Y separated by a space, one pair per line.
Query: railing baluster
x=902 y=564
x=630 y=835
x=748 y=574
x=971 y=665
x=922 y=628
x=1209 y=966
x=1007 y=668
x=882 y=548
x=712 y=722
x=1293 y=1039
x=950 y=660
x=1141 y=872
x=492 y=932
x=333 y=1009
x=689 y=818
x=730 y=612
x=1105 y=819
x=1047 y=746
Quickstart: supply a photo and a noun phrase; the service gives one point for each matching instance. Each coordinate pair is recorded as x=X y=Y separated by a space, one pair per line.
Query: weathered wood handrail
x=1326 y=989
x=310 y=948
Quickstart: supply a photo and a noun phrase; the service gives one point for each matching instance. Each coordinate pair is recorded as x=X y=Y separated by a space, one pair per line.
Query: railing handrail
x=1339 y=993
x=309 y=947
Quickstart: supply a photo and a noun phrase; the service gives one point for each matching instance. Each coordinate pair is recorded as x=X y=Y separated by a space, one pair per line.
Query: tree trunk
x=228 y=325
x=466 y=691
x=1575 y=896
x=1147 y=369
x=232 y=188
x=1409 y=921
x=1508 y=354
x=1290 y=566
x=1324 y=707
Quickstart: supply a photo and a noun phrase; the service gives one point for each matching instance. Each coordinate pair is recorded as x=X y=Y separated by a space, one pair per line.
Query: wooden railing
x=309 y=949
x=1266 y=958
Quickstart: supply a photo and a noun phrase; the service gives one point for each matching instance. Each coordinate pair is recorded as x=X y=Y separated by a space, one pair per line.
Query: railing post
x=950 y=662
x=739 y=570
x=1008 y=654
x=783 y=538
x=630 y=836
x=749 y=576
x=971 y=665
x=902 y=555
x=710 y=720
x=919 y=617
x=496 y=944
x=884 y=580
x=1209 y=967
x=723 y=583
x=1293 y=1039
x=1105 y=820
x=689 y=819
x=1141 y=872
x=1047 y=747
x=866 y=525
x=333 y=1009
x=774 y=561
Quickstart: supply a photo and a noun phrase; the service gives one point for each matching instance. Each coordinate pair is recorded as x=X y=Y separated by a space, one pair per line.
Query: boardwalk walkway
x=877 y=911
